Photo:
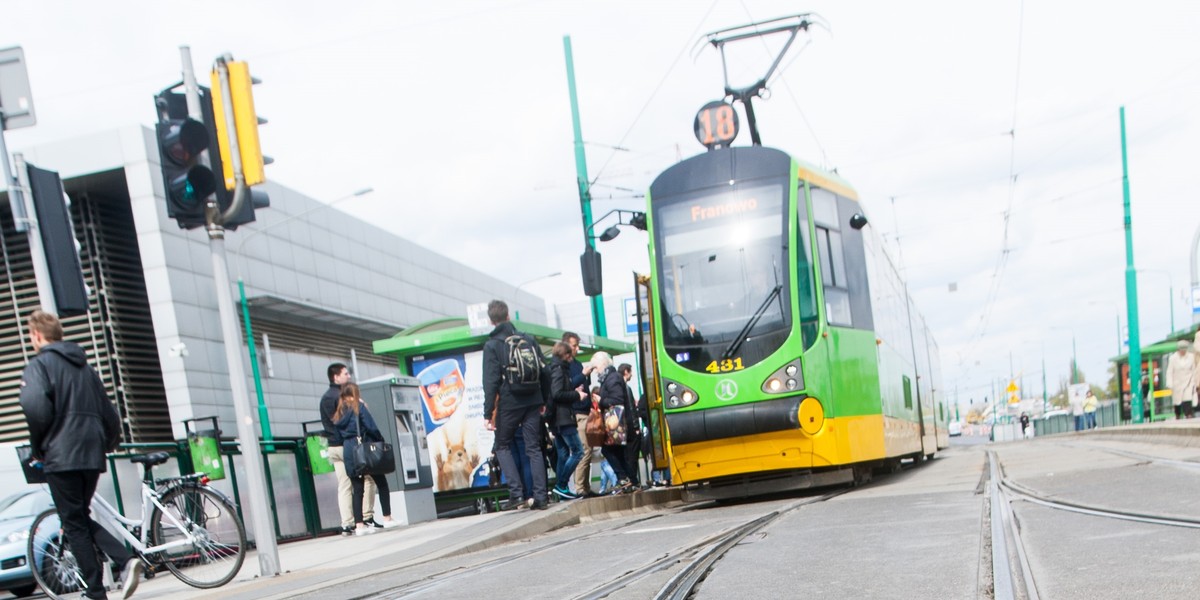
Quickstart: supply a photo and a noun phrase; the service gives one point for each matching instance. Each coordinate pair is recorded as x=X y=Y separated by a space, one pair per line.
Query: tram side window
x=833 y=258
x=907 y=392
x=806 y=292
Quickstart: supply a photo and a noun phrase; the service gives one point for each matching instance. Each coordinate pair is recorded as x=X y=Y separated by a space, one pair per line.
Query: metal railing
x=302 y=505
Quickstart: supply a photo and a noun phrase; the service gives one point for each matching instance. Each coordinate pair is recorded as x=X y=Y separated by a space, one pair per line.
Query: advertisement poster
x=459 y=443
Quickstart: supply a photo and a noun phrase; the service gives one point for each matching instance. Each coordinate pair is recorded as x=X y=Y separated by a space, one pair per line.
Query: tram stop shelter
x=1154 y=377
x=447 y=357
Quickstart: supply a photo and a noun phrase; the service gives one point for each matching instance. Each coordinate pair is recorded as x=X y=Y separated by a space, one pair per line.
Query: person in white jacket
x=1181 y=380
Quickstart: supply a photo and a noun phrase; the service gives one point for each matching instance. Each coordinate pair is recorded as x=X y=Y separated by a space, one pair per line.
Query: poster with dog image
x=459 y=443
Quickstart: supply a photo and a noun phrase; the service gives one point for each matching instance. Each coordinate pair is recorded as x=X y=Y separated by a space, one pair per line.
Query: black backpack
x=523 y=366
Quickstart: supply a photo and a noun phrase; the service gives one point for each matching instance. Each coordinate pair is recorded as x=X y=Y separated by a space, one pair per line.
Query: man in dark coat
x=72 y=425
x=515 y=410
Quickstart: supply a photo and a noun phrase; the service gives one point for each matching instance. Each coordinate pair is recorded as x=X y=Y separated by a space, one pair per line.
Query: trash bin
x=205 y=448
x=318 y=448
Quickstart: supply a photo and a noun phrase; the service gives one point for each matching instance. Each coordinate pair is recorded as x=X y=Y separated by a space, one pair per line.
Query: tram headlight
x=679 y=395
x=785 y=379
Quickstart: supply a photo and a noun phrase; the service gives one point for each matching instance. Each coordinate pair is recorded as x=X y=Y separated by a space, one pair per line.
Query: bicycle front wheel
x=50 y=558
x=217 y=537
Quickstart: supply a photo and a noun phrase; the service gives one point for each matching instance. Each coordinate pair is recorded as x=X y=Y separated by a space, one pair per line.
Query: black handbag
x=372 y=458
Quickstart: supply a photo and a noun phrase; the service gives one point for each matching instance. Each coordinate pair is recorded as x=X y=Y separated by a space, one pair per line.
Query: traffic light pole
x=256 y=480
x=599 y=326
x=26 y=220
x=1135 y=342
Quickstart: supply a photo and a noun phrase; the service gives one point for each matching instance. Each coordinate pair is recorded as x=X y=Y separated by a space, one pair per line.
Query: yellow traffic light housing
x=246 y=124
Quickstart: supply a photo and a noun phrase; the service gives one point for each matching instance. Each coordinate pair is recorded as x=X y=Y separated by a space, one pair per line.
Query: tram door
x=659 y=435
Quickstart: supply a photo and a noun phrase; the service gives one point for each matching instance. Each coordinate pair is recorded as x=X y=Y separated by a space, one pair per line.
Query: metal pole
x=1171 y=291
x=1135 y=342
x=1195 y=277
x=1045 y=398
x=263 y=420
x=581 y=178
x=1074 y=361
x=37 y=251
x=25 y=220
x=1118 y=338
x=256 y=481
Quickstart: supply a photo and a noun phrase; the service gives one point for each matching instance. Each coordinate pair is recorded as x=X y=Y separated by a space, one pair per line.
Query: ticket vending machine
x=411 y=484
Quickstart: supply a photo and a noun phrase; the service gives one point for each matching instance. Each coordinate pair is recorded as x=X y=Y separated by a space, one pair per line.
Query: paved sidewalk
x=323 y=563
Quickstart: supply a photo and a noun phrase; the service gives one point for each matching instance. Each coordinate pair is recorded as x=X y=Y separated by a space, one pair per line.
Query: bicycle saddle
x=154 y=458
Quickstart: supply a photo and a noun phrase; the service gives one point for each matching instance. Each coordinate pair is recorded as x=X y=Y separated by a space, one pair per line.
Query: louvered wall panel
x=298 y=339
x=117 y=333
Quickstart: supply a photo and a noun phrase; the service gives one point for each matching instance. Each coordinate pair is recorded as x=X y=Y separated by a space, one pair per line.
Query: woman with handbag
x=356 y=426
x=618 y=410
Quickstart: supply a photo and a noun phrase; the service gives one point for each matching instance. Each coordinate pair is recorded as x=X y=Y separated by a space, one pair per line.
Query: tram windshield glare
x=722 y=262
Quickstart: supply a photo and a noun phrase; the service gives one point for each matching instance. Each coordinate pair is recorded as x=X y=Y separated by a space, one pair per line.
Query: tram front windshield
x=723 y=265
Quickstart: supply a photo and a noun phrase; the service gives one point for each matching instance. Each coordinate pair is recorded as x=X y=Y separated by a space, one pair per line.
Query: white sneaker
x=130 y=576
x=364 y=530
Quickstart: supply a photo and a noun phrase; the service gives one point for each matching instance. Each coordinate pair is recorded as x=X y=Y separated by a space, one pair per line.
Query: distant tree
x=1112 y=390
x=1061 y=399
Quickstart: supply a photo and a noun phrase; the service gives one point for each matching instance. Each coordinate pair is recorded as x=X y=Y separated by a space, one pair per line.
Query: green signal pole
x=581 y=178
x=1135 y=346
x=263 y=420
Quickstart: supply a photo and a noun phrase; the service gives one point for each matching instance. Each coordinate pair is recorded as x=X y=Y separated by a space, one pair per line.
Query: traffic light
x=589 y=264
x=58 y=242
x=187 y=183
x=245 y=126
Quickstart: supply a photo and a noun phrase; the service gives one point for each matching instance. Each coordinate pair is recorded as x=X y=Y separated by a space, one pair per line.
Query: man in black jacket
x=72 y=425
x=515 y=410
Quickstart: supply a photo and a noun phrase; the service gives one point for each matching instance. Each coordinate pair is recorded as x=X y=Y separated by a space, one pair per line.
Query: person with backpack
x=512 y=371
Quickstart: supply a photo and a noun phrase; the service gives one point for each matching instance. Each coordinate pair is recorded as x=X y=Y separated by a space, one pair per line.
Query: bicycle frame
x=104 y=512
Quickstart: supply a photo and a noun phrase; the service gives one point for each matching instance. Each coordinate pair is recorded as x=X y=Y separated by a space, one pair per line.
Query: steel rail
x=685 y=582
x=1009 y=581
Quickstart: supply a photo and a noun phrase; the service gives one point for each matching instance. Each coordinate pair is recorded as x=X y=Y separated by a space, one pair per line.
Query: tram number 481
x=725 y=366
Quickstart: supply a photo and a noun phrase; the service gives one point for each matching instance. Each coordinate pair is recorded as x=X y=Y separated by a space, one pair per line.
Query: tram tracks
x=691 y=562
x=1012 y=576
x=702 y=556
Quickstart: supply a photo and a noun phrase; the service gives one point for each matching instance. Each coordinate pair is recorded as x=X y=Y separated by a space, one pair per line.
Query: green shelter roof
x=454 y=333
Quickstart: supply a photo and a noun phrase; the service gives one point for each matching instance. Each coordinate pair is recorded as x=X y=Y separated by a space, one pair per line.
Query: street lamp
x=1074 y=362
x=1170 y=292
x=589 y=261
x=1118 y=309
x=517 y=313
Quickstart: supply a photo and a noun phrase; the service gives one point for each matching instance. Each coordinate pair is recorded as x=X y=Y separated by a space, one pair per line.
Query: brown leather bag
x=594 y=429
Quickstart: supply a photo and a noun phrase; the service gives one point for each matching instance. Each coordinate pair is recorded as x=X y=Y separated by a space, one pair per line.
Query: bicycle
x=186 y=526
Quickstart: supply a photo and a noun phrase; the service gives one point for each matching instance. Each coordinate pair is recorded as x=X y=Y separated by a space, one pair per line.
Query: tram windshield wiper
x=745 y=332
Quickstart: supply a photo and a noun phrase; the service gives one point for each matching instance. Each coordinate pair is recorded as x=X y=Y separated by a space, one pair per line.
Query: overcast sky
x=983 y=137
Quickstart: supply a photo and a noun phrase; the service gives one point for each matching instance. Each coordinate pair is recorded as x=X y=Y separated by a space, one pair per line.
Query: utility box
x=395 y=402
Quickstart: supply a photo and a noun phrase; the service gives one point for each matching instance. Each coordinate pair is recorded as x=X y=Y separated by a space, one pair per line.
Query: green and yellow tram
x=786 y=348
